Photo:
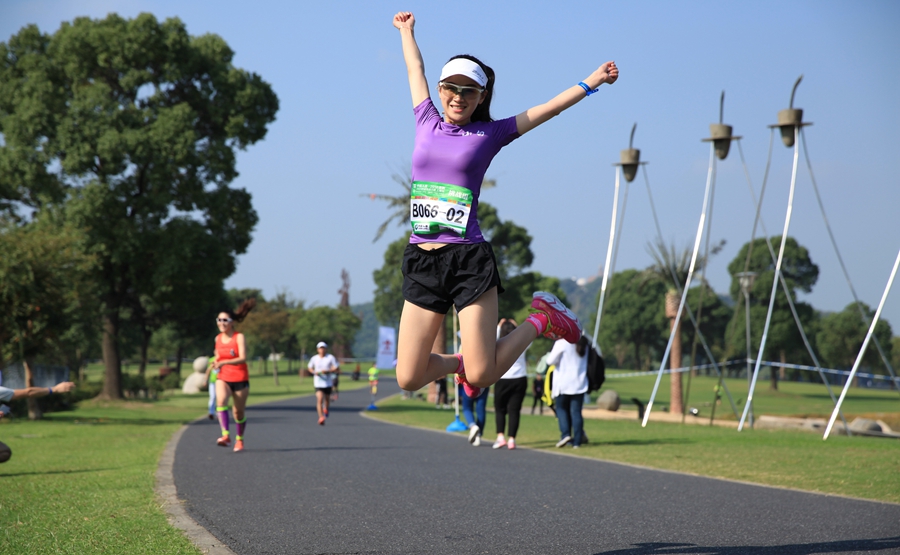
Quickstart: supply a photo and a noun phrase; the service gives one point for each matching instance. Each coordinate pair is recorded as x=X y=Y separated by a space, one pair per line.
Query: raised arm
x=531 y=118
x=33 y=392
x=415 y=67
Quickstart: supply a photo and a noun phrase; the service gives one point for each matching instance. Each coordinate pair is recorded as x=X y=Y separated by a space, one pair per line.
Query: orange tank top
x=228 y=351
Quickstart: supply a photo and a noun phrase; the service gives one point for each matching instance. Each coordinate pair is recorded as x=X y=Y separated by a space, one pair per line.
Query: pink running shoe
x=470 y=389
x=563 y=322
x=460 y=379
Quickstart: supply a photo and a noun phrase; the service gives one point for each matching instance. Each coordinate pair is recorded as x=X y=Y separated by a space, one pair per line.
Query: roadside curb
x=178 y=517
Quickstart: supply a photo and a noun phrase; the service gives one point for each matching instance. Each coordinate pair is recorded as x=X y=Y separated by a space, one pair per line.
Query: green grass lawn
x=81 y=482
x=802 y=399
x=858 y=466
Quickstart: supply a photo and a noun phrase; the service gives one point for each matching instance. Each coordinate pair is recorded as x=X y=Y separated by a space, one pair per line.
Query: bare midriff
x=430 y=246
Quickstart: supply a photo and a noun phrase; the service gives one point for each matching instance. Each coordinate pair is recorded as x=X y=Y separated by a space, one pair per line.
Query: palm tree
x=398 y=205
x=670 y=266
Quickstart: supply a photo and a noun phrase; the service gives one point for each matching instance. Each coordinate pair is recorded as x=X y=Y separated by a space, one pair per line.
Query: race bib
x=436 y=207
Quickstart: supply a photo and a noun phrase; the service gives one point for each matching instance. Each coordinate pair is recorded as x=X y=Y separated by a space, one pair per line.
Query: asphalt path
x=361 y=486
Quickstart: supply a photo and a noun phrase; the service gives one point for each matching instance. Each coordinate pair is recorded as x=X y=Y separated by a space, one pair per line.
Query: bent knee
x=407 y=382
x=479 y=377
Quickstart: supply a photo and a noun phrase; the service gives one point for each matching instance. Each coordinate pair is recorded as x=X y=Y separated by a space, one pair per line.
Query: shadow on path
x=879 y=544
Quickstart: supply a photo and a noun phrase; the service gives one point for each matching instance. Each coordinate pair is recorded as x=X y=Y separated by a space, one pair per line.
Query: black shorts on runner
x=456 y=274
x=325 y=390
x=237 y=386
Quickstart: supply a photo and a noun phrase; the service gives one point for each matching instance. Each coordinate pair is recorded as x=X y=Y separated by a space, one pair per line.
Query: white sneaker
x=511 y=444
x=564 y=441
x=473 y=432
x=477 y=441
x=499 y=443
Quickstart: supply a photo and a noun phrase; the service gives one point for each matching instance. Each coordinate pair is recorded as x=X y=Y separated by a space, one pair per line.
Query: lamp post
x=746 y=279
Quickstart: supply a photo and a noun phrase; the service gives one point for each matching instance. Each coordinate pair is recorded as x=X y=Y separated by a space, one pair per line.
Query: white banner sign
x=387 y=348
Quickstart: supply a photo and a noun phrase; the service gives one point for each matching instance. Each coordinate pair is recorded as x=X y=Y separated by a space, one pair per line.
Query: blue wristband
x=587 y=89
x=50 y=389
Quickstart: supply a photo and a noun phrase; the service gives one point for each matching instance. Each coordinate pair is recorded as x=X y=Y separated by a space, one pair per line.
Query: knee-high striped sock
x=222 y=412
x=240 y=427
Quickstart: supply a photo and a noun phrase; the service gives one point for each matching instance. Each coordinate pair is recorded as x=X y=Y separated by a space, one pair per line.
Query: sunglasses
x=225 y=320
x=452 y=89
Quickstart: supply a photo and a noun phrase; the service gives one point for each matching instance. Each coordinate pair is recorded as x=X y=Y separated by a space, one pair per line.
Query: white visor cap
x=468 y=68
x=321 y=344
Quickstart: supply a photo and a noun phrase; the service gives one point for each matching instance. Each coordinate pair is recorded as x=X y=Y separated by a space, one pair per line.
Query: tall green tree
x=634 y=316
x=800 y=273
x=335 y=326
x=133 y=123
x=841 y=335
x=268 y=324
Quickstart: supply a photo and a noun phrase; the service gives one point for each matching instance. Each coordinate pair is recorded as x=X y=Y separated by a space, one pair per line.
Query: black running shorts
x=325 y=390
x=456 y=274
x=237 y=386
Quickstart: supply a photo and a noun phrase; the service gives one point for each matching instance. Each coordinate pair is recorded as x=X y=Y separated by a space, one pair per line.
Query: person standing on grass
x=570 y=383
x=211 y=376
x=448 y=261
x=234 y=377
x=336 y=379
x=509 y=393
x=474 y=411
x=323 y=367
x=7 y=394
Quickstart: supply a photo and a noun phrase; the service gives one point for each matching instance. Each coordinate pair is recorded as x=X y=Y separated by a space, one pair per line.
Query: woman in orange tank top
x=234 y=379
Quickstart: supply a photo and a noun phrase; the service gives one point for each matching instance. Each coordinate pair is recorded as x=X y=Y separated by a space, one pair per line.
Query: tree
x=181 y=285
x=634 y=316
x=713 y=324
x=133 y=123
x=841 y=335
x=335 y=326
x=44 y=292
x=800 y=274
x=389 y=283
x=268 y=324
x=399 y=204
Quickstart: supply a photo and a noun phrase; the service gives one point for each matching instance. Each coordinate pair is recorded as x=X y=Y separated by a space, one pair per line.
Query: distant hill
x=582 y=298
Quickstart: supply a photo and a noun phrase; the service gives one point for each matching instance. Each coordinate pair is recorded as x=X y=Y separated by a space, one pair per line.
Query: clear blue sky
x=346 y=125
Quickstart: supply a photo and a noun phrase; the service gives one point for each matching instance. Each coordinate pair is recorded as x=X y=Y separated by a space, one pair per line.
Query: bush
x=171 y=381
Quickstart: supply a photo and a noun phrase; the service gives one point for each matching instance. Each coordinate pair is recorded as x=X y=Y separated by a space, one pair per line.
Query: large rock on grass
x=609 y=400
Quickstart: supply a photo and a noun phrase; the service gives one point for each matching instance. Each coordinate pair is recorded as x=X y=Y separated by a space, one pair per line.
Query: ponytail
x=241 y=312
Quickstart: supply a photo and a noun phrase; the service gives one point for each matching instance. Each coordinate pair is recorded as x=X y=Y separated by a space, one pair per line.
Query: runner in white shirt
x=324 y=368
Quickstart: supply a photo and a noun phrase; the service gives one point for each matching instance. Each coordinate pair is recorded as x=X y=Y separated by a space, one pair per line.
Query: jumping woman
x=234 y=379
x=448 y=262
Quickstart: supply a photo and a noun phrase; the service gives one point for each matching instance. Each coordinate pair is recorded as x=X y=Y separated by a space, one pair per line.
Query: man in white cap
x=324 y=368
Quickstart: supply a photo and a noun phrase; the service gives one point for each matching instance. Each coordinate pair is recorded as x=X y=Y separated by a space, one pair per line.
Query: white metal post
x=687 y=284
x=787 y=225
x=606 y=266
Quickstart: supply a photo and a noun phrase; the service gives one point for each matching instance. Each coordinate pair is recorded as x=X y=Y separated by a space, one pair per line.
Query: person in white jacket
x=570 y=383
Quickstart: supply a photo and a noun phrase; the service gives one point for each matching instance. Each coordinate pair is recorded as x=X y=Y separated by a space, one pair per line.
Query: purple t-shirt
x=448 y=153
